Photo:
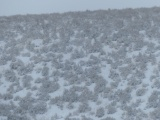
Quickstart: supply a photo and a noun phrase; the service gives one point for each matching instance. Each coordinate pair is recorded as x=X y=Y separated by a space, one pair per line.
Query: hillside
x=93 y=65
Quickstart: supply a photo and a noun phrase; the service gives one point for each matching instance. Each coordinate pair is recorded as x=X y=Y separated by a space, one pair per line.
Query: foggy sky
x=13 y=7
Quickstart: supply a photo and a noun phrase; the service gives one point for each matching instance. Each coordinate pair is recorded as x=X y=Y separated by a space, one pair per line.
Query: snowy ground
x=100 y=65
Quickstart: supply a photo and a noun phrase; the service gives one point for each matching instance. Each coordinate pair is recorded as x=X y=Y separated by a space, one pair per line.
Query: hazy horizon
x=8 y=7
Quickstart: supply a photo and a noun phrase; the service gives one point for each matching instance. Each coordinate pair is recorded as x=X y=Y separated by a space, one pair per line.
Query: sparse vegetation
x=76 y=62
x=100 y=112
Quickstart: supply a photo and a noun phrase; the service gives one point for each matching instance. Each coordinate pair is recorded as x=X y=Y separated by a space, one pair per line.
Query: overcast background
x=13 y=7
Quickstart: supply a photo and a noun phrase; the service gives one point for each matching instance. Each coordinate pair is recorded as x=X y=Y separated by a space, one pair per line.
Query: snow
x=102 y=73
x=3 y=118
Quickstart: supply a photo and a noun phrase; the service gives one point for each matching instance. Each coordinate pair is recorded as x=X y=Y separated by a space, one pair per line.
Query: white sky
x=13 y=7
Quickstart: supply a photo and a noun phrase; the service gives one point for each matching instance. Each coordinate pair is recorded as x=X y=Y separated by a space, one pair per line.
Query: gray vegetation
x=153 y=100
x=111 y=109
x=100 y=112
x=45 y=71
x=10 y=76
x=155 y=115
x=141 y=92
x=84 y=107
x=27 y=81
x=109 y=118
x=48 y=86
x=80 y=61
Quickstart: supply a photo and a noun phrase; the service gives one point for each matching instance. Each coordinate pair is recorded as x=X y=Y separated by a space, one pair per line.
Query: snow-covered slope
x=99 y=65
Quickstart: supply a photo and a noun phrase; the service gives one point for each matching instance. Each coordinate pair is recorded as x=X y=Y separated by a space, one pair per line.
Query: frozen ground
x=93 y=65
